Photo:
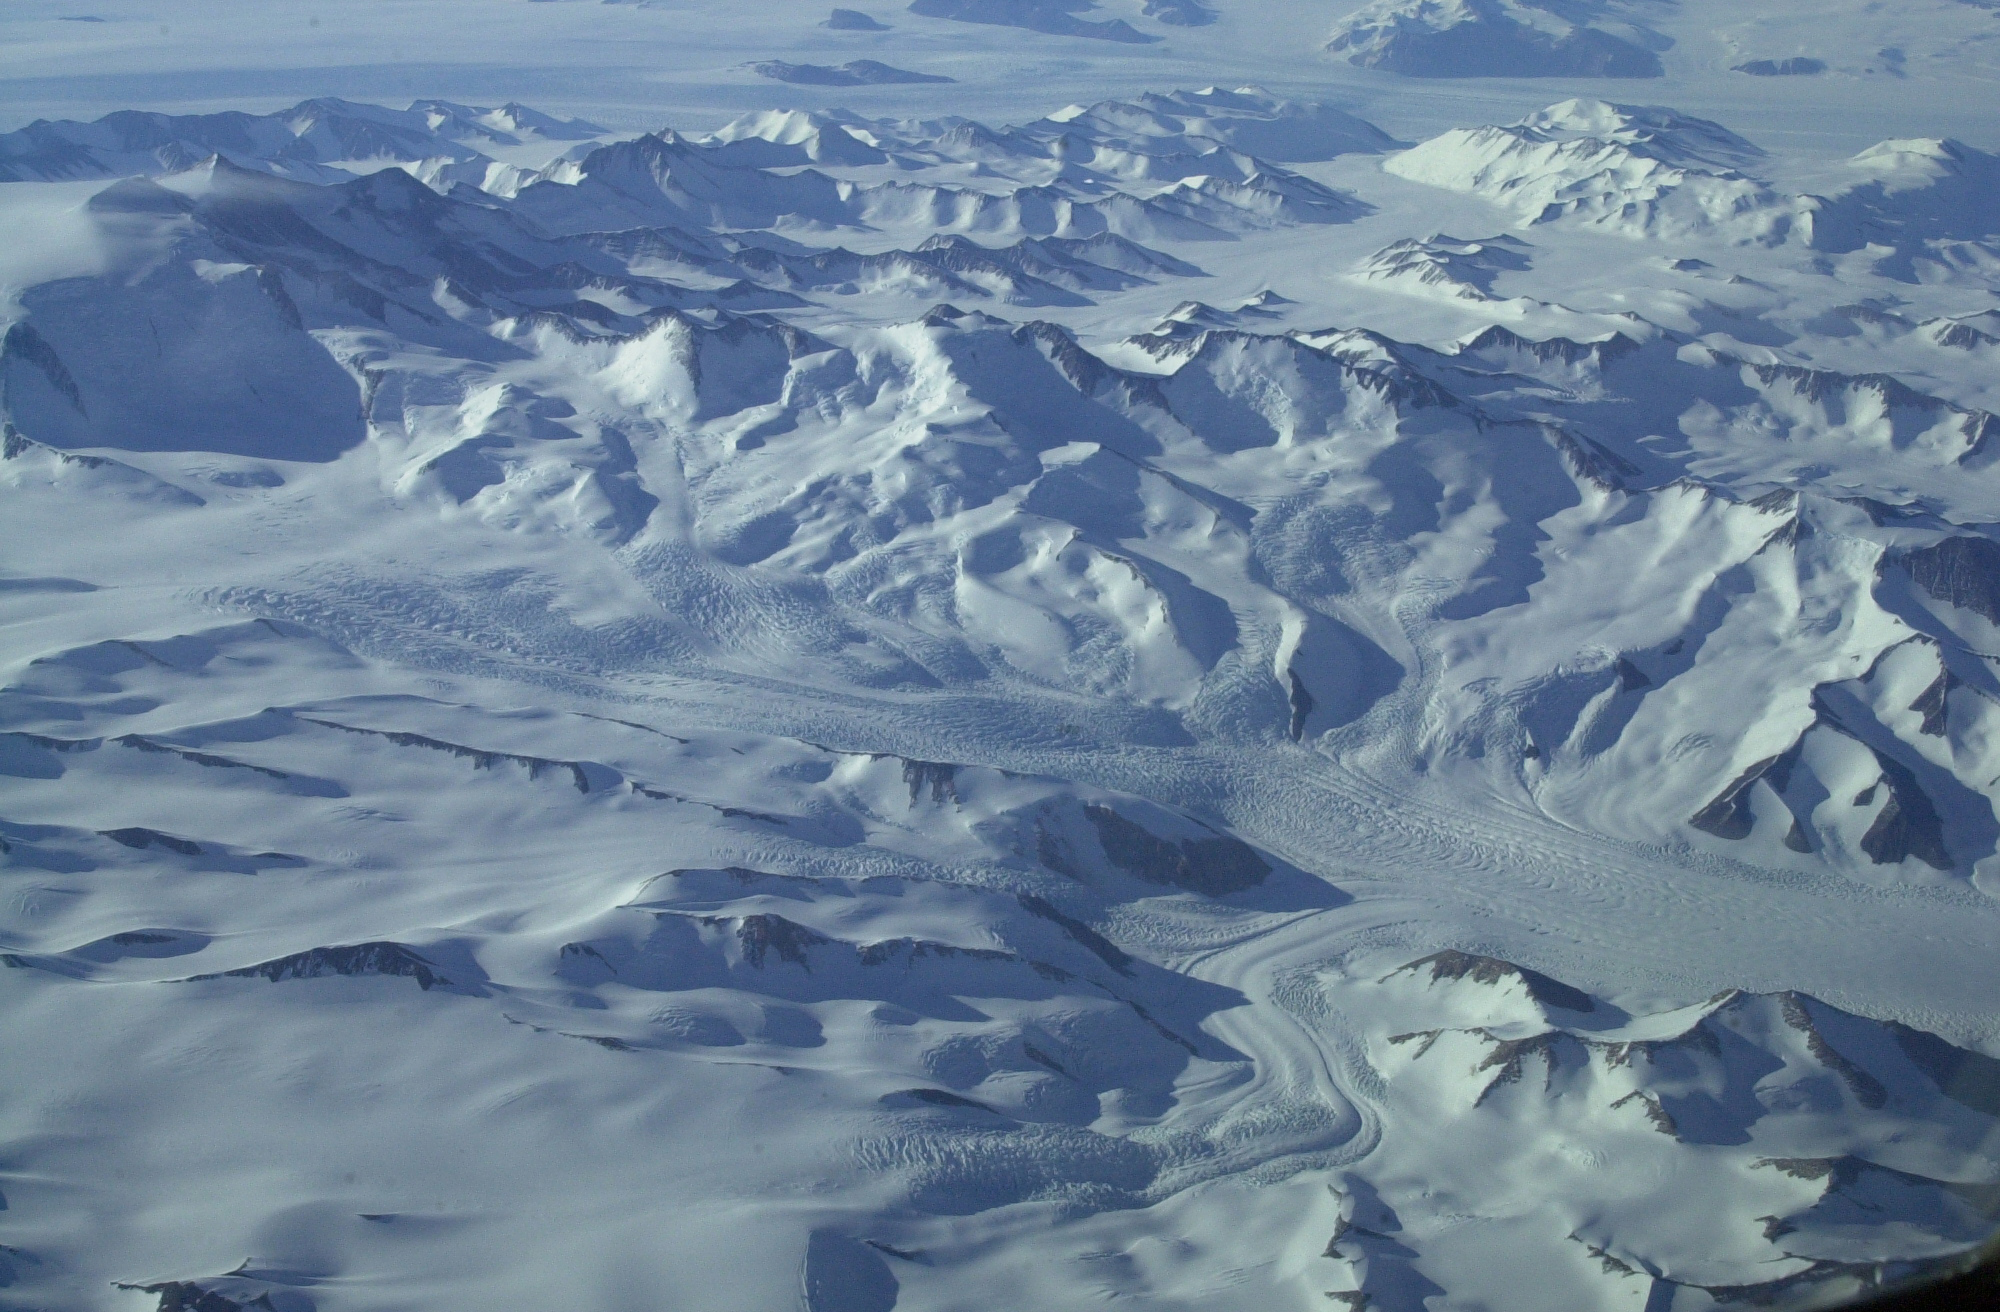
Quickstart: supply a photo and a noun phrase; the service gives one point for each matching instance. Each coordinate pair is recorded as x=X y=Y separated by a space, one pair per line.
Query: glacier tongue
x=865 y=704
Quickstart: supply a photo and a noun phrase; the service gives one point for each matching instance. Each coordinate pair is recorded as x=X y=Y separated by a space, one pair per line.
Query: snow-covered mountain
x=1637 y=170
x=1529 y=1089
x=1248 y=119
x=1128 y=170
x=1503 y=38
x=311 y=140
x=1648 y=171
x=1444 y=265
x=1908 y=194
x=872 y=709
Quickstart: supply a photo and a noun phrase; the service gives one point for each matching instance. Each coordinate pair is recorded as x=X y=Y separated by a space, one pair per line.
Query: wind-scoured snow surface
x=1367 y=682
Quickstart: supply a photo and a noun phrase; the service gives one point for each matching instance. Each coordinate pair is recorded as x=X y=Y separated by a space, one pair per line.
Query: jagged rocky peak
x=1977 y=332
x=1498 y=343
x=827 y=138
x=1452 y=965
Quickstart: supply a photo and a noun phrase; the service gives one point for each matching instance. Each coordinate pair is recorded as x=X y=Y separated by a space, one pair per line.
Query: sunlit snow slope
x=1187 y=701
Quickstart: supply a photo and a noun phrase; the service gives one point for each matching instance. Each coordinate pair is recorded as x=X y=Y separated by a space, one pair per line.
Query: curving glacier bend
x=1185 y=701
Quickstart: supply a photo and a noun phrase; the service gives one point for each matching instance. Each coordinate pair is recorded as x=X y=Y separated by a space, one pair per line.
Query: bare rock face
x=1794 y=66
x=1453 y=965
x=1961 y=571
x=846 y=1275
x=224 y=1294
x=1055 y=17
x=357 y=959
x=853 y=20
x=854 y=73
x=1214 y=866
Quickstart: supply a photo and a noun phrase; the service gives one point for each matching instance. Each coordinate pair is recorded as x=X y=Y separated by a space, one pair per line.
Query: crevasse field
x=1005 y=655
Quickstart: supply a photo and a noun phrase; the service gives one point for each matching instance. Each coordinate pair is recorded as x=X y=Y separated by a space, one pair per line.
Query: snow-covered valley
x=1365 y=684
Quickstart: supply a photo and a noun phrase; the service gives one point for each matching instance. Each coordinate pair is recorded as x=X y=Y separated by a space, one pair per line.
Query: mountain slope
x=858 y=706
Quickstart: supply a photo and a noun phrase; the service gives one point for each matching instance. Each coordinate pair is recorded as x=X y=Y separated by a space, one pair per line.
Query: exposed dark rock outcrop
x=854 y=73
x=1908 y=824
x=1969 y=1078
x=1214 y=866
x=759 y=935
x=1961 y=336
x=379 y=958
x=136 y=837
x=939 y=777
x=480 y=758
x=1931 y=703
x=841 y=1274
x=943 y=1098
x=1661 y=1118
x=213 y=762
x=1796 y=66
x=187 y=1296
x=1055 y=17
x=1302 y=705
x=1729 y=815
x=1101 y=947
x=1452 y=964
x=1866 y=1088
x=908 y=950
x=1565 y=350
x=25 y=344
x=1509 y=1058
x=1964 y=571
